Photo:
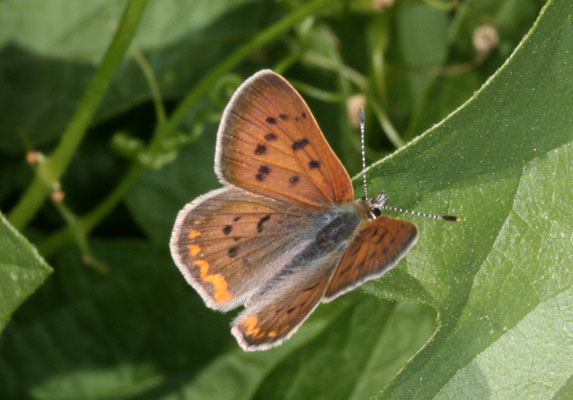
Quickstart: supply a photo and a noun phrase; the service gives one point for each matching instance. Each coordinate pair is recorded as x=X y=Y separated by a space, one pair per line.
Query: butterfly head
x=374 y=205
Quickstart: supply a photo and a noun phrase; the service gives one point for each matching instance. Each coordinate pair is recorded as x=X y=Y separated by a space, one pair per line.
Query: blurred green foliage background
x=108 y=115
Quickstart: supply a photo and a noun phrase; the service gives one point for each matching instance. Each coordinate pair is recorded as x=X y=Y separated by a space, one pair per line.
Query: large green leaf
x=22 y=270
x=502 y=163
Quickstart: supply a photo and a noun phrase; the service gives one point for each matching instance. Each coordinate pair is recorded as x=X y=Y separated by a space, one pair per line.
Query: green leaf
x=421 y=35
x=502 y=163
x=22 y=270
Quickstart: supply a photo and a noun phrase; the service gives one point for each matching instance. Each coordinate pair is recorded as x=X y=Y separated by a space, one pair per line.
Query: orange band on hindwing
x=220 y=284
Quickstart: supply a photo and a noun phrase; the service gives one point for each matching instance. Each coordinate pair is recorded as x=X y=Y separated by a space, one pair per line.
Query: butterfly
x=285 y=233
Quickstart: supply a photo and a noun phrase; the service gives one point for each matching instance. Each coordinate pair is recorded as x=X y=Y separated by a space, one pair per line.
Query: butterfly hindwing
x=277 y=311
x=228 y=243
x=270 y=144
x=377 y=247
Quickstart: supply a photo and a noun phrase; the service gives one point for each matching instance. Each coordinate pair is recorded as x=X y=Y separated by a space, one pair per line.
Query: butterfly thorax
x=344 y=220
x=341 y=227
x=332 y=232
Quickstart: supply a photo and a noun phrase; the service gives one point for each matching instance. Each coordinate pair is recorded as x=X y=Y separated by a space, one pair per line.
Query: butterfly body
x=322 y=243
x=285 y=234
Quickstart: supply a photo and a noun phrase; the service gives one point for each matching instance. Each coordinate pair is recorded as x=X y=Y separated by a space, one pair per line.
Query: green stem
x=80 y=237
x=319 y=94
x=336 y=66
x=50 y=172
x=385 y=123
x=153 y=85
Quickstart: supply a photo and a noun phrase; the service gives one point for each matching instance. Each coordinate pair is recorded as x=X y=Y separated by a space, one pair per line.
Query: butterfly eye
x=376 y=212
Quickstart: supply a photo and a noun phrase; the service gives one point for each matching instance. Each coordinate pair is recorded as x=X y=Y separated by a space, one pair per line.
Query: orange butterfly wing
x=270 y=144
x=228 y=243
x=376 y=248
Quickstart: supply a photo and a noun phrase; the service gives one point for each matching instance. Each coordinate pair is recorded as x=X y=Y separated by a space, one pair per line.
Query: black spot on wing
x=270 y=137
x=314 y=164
x=260 y=149
x=262 y=173
x=233 y=252
x=284 y=117
x=271 y=120
x=300 y=144
x=293 y=180
x=261 y=223
x=227 y=229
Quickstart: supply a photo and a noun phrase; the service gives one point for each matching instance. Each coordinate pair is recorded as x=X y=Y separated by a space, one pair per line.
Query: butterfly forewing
x=270 y=144
x=228 y=242
x=376 y=248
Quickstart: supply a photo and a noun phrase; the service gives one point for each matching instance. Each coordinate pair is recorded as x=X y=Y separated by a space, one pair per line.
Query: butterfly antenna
x=421 y=214
x=362 y=123
x=400 y=210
